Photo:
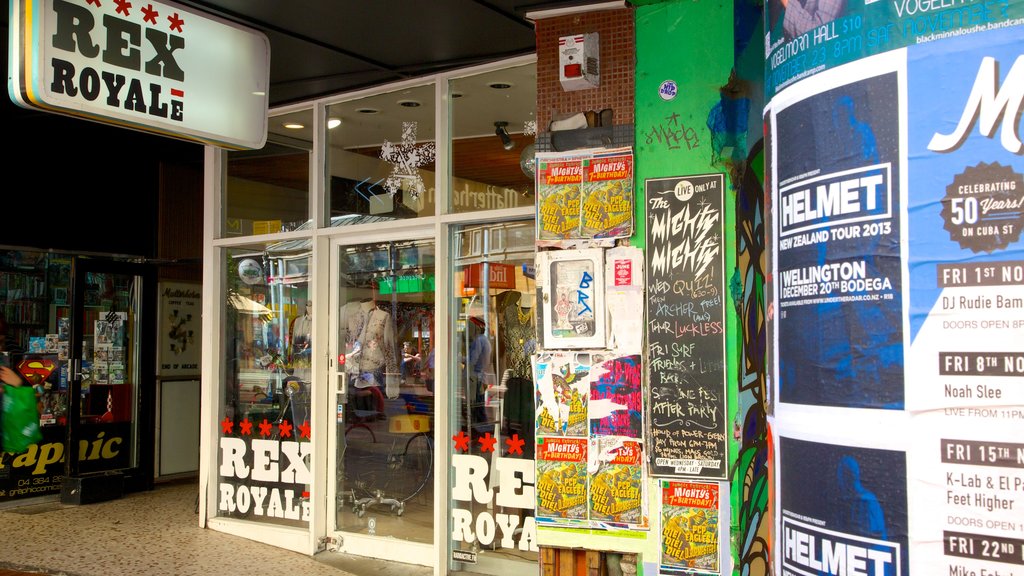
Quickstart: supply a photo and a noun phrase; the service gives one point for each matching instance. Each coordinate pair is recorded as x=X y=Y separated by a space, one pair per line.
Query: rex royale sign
x=153 y=66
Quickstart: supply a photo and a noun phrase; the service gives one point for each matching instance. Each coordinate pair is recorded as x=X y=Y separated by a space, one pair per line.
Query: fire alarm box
x=579 y=61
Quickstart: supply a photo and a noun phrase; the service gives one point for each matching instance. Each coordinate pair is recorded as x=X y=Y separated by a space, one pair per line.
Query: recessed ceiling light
x=333 y=123
x=294 y=126
x=409 y=103
x=368 y=111
x=500 y=85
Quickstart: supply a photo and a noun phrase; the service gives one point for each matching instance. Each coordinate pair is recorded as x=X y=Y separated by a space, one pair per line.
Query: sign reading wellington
x=152 y=66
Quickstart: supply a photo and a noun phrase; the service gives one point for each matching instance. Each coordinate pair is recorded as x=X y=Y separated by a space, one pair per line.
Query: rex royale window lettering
x=116 y=47
x=264 y=478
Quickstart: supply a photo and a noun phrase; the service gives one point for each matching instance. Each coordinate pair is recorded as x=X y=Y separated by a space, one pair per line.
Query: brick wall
x=618 y=64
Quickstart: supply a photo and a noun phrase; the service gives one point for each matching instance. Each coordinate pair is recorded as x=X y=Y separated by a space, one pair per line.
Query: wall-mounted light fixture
x=506 y=140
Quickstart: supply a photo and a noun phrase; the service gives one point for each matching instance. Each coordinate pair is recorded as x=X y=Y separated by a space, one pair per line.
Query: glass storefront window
x=264 y=442
x=59 y=311
x=267 y=190
x=491 y=170
x=385 y=426
x=380 y=157
x=379 y=167
x=34 y=328
x=493 y=331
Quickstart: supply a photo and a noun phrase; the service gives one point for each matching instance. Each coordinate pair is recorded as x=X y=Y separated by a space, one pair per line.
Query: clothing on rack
x=300 y=331
x=375 y=363
x=352 y=321
x=518 y=335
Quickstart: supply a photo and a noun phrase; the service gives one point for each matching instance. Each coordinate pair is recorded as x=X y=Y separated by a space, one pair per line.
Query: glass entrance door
x=382 y=449
x=112 y=374
x=493 y=337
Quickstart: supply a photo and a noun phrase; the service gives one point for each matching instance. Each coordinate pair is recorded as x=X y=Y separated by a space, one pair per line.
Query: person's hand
x=9 y=376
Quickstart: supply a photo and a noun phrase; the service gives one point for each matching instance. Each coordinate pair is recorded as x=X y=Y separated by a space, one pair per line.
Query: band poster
x=686 y=326
x=837 y=255
x=689 y=527
x=806 y=37
x=590 y=440
x=585 y=195
x=562 y=386
x=562 y=481
x=836 y=498
x=558 y=197
x=966 y=316
x=898 y=206
x=607 y=195
x=617 y=491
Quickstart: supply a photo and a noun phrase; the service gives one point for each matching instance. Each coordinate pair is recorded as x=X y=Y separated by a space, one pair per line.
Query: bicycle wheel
x=361 y=471
x=411 y=469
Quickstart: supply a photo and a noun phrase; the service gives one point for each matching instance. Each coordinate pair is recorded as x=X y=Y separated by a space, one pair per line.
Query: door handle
x=342 y=383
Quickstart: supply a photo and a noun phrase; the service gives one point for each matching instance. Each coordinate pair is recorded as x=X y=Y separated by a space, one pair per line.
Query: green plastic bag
x=20 y=418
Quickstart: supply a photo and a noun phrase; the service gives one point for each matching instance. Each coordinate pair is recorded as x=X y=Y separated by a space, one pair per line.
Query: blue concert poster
x=966 y=165
x=838 y=264
x=843 y=509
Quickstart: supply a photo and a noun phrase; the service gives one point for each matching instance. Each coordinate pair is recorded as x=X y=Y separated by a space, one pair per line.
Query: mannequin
x=301 y=342
x=519 y=333
x=372 y=355
x=301 y=328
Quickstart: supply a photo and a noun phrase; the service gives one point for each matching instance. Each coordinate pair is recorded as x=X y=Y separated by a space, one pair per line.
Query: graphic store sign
x=153 y=66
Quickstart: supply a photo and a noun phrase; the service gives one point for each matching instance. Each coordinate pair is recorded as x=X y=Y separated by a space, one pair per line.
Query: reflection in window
x=385 y=480
x=267 y=190
x=264 y=456
x=494 y=334
x=493 y=133
x=380 y=157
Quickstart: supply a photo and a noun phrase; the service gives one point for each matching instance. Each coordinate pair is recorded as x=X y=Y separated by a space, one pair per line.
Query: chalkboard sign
x=686 y=326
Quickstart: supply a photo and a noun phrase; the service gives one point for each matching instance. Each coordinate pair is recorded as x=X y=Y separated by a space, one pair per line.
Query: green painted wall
x=691 y=44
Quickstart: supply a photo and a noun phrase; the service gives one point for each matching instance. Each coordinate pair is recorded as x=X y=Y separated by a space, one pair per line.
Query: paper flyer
x=617 y=495
x=624 y=294
x=562 y=387
x=965 y=365
x=833 y=495
x=562 y=480
x=689 y=527
x=616 y=397
x=607 y=196
x=558 y=198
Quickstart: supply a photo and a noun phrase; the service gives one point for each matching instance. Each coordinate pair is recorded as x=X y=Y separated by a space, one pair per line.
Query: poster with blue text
x=838 y=266
x=843 y=510
x=966 y=313
x=806 y=37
